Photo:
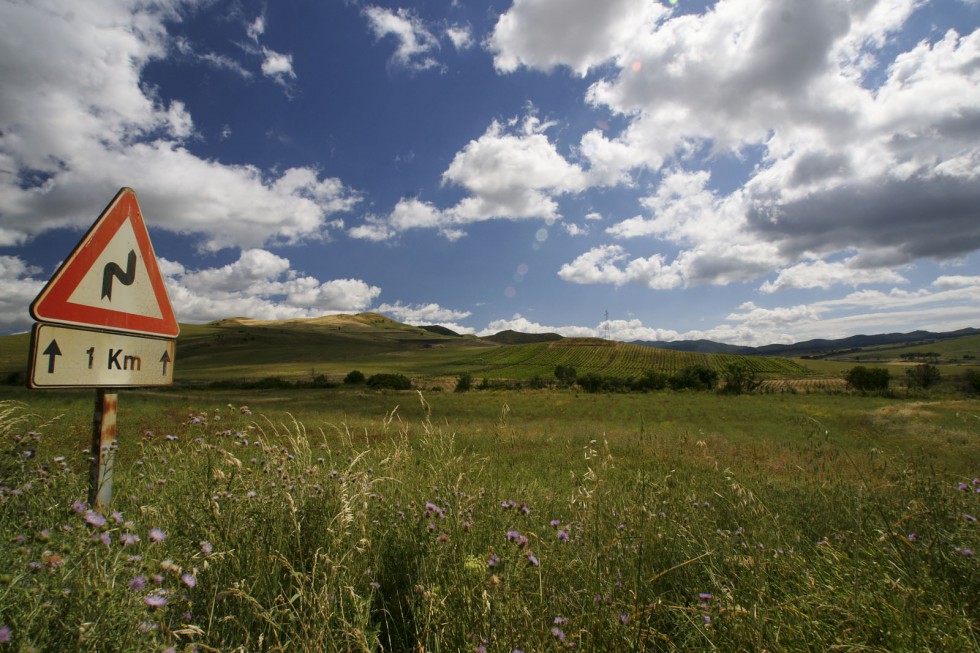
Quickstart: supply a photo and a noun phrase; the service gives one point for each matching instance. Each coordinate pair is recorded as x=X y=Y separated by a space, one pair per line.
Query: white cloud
x=580 y=34
x=511 y=172
x=260 y=285
x=461 y=36
x=845 y=167
x=415 y=42
x=523 y=325
x=76 y=118
x=20 y=287
x=426 y=314
x=821 y=274
x=277 y=65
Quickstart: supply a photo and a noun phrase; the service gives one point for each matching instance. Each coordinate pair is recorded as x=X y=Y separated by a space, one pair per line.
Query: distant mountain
x=814 y=347
x=510 y=337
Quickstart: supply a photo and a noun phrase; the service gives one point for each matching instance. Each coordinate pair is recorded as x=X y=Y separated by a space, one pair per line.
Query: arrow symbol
x=52 y=352
x=112 y=270
x=165 y=359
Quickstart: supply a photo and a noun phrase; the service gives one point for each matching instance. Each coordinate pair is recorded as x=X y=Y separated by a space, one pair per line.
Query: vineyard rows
x=615 y=359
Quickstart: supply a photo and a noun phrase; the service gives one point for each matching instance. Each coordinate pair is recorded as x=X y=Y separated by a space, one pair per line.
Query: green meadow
x=342 y=519
x=261 y=505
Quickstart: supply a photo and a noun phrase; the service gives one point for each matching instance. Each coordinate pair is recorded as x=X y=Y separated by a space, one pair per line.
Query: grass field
x=496 y=521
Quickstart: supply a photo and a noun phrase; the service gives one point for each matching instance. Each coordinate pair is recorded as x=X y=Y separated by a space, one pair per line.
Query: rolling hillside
x=332 y=346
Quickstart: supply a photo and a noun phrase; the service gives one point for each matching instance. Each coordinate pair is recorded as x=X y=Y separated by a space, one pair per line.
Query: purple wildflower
x=206 y=547
x=93 y=518
x=105 y=538
x=129 y=539
x=558 y=633
x=963 y=487
x=155 y=600
x=563 y=535
x=704 y=596
x=624 y=618
x=137 y=583
x=913 y=537
x=525 y=509
x=189 y=580
x=157 y=535
x=965 y=551
x=707 y=620
x=555 y=523
x=79 y=507
x=560 y=620
x=4 y=634
x=493 y=560
x=513 y=536
x=531 y=558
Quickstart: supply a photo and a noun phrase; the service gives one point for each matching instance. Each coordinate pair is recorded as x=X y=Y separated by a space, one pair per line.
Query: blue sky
x=742 y=170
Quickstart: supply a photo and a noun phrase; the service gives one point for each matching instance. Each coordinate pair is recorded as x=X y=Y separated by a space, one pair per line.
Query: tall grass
x=236 y=532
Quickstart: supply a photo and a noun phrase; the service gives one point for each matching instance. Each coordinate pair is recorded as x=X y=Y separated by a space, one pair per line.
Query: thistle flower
x=93 y=518
x=157 y=535
x=129 y=539
x=79 y=507
x=137 y=583
x=563 y=535
x=189 y=580
x=206 y=547
x=155 y=600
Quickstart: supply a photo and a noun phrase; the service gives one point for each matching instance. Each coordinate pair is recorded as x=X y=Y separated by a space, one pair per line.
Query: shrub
x=868 y=379
x=464 y=382
x=739 y=378
x=694 y=377
x=923 y=376
x=565 y=374
x=355 y=377
x=970 y=382
x=389 y=382
x=651 y=380
x=593 y=382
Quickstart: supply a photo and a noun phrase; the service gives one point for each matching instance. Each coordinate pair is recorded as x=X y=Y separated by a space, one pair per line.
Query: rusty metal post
x=103 y=448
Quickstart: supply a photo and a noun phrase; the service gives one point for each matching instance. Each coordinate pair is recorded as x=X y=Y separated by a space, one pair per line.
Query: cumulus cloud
x=426 y=314
x=20 y=287
x=260 y=285
x=513 y=171
x=415 y=42
x=75 y=119
x=860 y=151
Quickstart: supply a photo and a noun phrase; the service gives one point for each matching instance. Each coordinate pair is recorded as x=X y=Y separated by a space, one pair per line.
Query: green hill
x=332 y=346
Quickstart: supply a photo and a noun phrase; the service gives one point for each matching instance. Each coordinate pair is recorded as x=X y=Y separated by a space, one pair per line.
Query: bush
x=694 y=377
x=739 y=378
x=923 y=376
x=389 y=382
x=565 y=374
x=464 y=382
x=650 y=381
x=355 y=377
x=970 y=382
x=593 y=382
x=868 y=379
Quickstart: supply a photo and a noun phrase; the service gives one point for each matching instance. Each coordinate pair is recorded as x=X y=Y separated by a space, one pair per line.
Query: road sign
x=64 y=357
x=111 y=280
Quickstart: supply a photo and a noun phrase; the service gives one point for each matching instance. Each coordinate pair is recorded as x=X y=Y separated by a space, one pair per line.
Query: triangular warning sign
x=111 y=280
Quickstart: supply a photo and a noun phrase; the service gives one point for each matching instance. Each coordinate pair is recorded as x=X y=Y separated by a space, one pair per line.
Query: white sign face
x=118 y=279
x=63 y=357
x=111 y=281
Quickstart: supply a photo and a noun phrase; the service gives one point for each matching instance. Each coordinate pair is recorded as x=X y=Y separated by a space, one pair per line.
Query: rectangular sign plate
x=64 y=357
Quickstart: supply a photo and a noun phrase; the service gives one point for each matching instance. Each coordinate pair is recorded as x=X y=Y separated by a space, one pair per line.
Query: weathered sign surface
x=111 y=280
x=64 y=357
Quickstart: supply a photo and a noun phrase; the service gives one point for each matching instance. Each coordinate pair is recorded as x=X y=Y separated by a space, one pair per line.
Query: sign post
x=105 y=321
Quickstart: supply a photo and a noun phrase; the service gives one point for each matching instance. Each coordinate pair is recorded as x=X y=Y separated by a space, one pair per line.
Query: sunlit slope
x=608 y=358
x=239 y=348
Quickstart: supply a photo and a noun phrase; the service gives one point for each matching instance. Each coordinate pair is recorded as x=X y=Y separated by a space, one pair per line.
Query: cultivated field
x=339 y=520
